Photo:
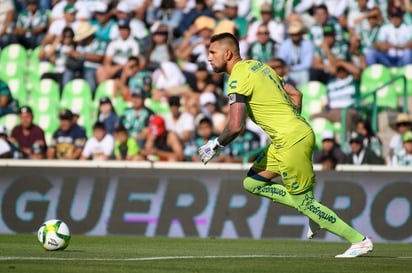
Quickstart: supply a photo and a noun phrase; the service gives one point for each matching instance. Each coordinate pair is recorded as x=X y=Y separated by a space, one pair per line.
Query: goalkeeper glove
x=208 y=151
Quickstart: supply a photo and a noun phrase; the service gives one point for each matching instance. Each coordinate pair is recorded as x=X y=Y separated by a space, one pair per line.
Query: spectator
x=201 y=80
x=370 y=139
x=361 y=155
x=404 y=156
x=330 y=54
x=107 y=115
x=193 y=47
x=57 y=55
x=402 y=124
x=393 y=47
x=330 y=149
x=297 y=52
x=180 y=122
x=369 y=37
x=322 y=19
x=231 y=14
x=160 y=48
x=137 y=27
x=161 y=144
x=264 y=48
x=8 y=105
x=125 y=147
x=328 y=162
x=68 y=140
x=281 y=68
x=37 y=151
x=100 y=146
x=27 y=133
x=204 y=132
x=7 y=13
x=132 y=77
x=246 y=142
x=209 y=107
x=31 y=25
x=136 y=118
x=83 y=9
x=90 y=50
x=118 y=53
x=7 y=148
x=104 y=22
x=200 y=9
x=342 y=91
x=166 y=14
x=56 y=28
x=276 y=29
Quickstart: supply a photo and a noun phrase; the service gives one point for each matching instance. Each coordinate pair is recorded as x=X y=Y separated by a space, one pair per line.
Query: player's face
x=216 y=57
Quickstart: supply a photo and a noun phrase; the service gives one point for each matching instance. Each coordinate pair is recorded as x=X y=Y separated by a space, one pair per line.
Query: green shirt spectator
x=8 y=105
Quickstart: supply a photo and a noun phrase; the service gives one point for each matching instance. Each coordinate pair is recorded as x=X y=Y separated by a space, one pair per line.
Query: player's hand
x=208 y=151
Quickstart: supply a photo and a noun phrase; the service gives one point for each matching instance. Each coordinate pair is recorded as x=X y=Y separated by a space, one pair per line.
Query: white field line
x=15 y=258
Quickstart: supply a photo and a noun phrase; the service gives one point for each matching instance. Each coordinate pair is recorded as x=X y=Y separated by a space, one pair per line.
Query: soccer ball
x=54 y=235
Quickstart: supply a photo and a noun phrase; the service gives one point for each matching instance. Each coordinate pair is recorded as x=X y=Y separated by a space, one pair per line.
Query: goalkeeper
x=256 y=90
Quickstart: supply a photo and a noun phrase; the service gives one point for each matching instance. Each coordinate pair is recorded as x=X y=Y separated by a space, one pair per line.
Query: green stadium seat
x=314 y=90
x=373 y=77
x=9 y=121
x=77 y=88
x=12 y=69
x=14 y=53
x=18 y=89
x=320 y=125
x=46 y=88
x=36 y=70
x=105 y=89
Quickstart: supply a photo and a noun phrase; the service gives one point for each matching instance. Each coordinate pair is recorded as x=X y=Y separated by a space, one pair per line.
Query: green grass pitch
x=22 y=253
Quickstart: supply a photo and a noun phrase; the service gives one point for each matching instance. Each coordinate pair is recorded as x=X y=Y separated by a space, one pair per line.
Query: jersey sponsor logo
x=233 y=84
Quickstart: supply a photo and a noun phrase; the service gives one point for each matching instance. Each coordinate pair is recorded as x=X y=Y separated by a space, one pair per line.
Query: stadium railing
x=374 y=105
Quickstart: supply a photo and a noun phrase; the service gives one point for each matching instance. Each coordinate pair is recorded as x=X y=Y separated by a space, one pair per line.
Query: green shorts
x=294 y=164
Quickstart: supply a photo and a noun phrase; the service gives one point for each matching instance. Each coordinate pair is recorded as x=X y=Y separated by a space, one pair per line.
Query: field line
x=16 y=258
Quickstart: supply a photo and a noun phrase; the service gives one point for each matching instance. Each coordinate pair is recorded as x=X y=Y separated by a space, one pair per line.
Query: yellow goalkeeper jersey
x=268 y=104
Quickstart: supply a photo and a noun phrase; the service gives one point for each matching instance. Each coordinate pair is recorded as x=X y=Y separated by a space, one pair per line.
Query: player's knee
x=253 y=182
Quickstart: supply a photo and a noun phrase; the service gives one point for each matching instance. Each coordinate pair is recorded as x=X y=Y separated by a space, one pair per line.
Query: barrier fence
x=192 y=200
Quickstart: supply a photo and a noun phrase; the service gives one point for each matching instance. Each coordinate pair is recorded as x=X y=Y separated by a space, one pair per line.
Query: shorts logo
x=233 y=84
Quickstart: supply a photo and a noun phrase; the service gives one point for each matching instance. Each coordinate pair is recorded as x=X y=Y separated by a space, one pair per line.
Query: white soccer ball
x=54 y=235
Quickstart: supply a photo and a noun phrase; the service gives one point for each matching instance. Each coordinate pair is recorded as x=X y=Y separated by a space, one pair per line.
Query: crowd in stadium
x=130 y=79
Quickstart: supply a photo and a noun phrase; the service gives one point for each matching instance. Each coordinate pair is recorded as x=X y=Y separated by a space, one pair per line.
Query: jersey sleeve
x=239 y=83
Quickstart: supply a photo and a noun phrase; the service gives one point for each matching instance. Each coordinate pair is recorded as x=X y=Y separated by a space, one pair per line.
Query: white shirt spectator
x=276 y=31
x=168 y=75
x=56 y=28
x=96 y=149
x=5 y=7
x=83 y=9
x=396 y=36
x=121 y=49
x=184 y=123
x=137 y=29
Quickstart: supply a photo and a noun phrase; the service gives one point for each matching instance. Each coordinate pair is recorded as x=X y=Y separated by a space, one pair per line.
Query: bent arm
x=295 y=96
x=236 y=122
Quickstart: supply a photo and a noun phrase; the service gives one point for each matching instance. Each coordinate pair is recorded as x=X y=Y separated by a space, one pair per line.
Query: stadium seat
x=48 y=121
x=14 y=53
x=314 y=98
x=12 y=69
x=18 y=89
x=10 y=121
x=36 y=70
x=77 y=88
x=46 y=88
x=320 y=125
x=373 y=77
x=106 y=89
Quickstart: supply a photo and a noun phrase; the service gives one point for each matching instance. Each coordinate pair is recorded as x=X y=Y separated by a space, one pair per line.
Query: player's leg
x=299 y=179
x=258 y=182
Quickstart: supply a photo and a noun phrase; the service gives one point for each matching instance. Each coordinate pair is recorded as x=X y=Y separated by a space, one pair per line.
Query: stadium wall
x=189 y=199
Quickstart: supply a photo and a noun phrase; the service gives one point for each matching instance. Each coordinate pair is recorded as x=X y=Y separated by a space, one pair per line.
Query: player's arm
x=295 y=95
x=237 y=119
x=236 y=122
